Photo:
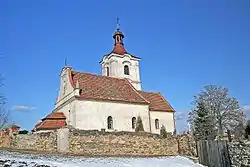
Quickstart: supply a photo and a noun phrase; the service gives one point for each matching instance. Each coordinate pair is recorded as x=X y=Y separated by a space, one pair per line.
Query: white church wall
x=69 y=110
x=93 y=115
x=165 y=118
x=66 y=89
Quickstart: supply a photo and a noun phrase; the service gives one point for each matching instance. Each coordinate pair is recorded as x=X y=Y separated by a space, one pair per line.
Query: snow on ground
x=18 y=159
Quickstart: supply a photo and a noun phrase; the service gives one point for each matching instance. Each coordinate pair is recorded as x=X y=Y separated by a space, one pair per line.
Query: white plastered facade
x=115 y=64
x=92 y=114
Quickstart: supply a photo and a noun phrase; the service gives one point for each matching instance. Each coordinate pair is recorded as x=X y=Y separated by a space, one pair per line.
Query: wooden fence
x=213 y=153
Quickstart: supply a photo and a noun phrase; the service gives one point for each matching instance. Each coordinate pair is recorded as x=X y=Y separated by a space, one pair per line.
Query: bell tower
x=119 y=63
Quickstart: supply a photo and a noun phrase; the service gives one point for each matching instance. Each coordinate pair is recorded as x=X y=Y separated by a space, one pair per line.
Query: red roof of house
x=100 y=87
x=55 y=115
x=157 y=101
x=37 y=125
x=54 y=120
x=51 y=124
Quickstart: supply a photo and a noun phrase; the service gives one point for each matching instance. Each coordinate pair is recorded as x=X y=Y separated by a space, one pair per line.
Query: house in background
x=9 y=130
x=53 y=121
x=111 y=101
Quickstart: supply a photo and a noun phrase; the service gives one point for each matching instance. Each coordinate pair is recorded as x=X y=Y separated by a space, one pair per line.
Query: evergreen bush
x=163 y=132
x=139 y=125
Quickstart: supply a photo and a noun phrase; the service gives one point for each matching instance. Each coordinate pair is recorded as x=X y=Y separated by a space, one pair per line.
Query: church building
x=111 y=101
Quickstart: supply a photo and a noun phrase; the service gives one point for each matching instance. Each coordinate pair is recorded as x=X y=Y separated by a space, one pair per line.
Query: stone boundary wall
x=129 y=144
x=98 y=143
x=36 y=142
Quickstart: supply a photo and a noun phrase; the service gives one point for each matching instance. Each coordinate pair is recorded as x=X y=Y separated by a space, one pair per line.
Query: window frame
x=110 y=122
x=107 y=71
x=133 y=122
x=126 y=69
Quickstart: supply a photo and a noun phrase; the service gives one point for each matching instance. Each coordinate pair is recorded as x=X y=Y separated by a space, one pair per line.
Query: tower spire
x=65 y=62
x=118 y=40
x=117 y=24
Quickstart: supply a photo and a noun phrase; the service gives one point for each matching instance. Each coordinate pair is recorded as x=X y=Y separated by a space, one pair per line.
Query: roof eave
x=161 y=110
x=112 y=100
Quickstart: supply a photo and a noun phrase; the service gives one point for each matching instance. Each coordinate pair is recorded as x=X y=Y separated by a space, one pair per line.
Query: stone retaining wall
x=97 y=143
x=38 y=142
x=128 y=143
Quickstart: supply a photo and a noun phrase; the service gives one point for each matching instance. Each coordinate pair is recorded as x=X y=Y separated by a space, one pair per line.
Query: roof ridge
x=99 y=75
x=163 y=98
x=41 y=123
x=136 y=91
x=148 y=92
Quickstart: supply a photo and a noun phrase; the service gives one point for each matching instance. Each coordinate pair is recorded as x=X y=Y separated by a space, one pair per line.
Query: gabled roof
x=55 y=115
x=98 y=87
x=157 y=101
x=51 y=124
x=55 y=120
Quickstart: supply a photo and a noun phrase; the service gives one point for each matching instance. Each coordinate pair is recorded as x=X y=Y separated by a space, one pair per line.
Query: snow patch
x=17 y=159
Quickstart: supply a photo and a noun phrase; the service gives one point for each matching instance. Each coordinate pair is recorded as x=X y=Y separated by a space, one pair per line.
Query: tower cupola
x=119 y=63
x=118 y=41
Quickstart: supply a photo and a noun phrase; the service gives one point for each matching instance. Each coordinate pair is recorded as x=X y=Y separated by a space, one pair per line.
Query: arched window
x=126 y=70
x=157 y=124
x=133 y=123
x=110 y=122
x=107 y=68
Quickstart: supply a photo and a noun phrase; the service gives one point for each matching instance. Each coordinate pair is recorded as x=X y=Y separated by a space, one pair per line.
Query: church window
x=133 y=123
x=110 y=122
x=107 y=71
x=69 y=122
x=157 y=124
x=126 y=70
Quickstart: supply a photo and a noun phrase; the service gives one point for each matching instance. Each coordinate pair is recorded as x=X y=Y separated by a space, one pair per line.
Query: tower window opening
x=126 y=70
x=107 y=68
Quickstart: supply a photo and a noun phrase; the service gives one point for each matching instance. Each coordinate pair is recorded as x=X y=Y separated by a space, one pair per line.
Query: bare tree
x=224 y=110
x=4 y=114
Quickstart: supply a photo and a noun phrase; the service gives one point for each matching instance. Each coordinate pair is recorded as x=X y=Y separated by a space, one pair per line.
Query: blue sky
x=184 y=45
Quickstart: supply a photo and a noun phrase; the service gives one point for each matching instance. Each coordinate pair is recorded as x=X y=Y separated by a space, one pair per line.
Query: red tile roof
x=99 y=87
x=106 y=88
x=54 y=120
x=119 y=49
x=55 y=115
x=37 y=125
x=51 y=124
x=157 y=101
